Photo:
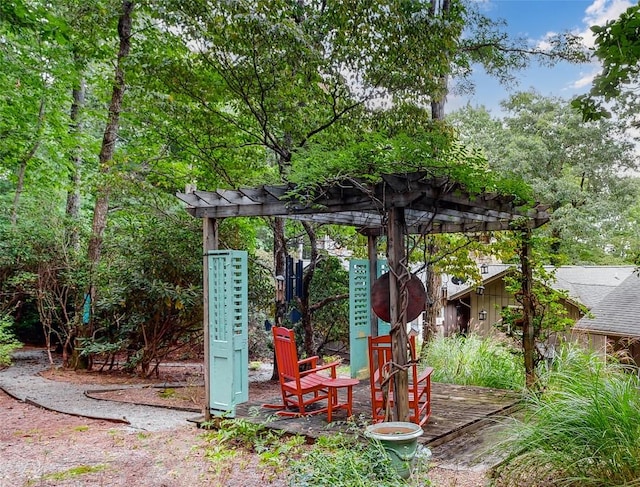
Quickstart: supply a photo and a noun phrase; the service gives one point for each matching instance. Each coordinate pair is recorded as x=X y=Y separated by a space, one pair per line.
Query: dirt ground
x=44 y=448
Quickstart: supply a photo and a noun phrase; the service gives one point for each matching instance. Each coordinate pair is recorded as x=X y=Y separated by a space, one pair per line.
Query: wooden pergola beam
x=433 y=206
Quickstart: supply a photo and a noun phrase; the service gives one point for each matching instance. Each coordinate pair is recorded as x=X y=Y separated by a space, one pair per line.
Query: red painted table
x=333 y=402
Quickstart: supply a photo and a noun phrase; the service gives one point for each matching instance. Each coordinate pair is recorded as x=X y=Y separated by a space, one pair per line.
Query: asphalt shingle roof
x=619 y=313
x=590 y=284
x=587 y=285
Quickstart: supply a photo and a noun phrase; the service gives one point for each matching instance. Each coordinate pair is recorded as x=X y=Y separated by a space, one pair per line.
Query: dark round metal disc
x=380 y=298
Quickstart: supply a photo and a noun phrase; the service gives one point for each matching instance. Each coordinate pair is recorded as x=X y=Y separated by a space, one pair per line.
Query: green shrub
x=8 y=342
x=339 y=461
x=583 y=430
x=336 y=460
x=472 y=360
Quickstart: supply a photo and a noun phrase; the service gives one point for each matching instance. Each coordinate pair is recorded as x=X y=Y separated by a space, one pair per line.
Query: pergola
x=396 y=206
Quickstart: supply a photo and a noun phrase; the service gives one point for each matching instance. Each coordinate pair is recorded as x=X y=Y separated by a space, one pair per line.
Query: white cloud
x=544 y=44
x=585 y=80
x=599 y=13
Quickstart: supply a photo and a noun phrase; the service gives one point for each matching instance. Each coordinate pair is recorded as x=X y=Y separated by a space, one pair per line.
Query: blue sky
x=535 y=20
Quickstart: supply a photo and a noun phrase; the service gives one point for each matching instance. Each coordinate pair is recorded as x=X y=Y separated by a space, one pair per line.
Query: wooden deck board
x=455 y=410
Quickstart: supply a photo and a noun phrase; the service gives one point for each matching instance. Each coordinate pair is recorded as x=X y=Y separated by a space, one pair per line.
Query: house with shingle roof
x=478 y=306
x=613 y=323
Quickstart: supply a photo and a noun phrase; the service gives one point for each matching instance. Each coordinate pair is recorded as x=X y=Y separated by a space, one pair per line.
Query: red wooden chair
x=299 y=388
x=380 y=360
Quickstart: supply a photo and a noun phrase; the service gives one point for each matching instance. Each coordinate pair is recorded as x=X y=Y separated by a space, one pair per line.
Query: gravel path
x=22 y=381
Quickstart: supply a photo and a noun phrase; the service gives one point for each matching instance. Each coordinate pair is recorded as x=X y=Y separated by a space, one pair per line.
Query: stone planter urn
x=400 y=440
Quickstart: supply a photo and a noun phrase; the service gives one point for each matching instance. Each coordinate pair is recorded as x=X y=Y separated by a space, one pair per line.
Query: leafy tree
x=582 y=171
x=41 y=272
x=107 y=149
x=282 y=67
x=75 y=42
x=32 y=128
x=543 y=311
x=579 y=170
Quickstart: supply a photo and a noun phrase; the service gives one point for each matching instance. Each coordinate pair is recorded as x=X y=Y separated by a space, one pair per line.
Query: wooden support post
x=398 y=278
x=209 y=242
x=372 y=250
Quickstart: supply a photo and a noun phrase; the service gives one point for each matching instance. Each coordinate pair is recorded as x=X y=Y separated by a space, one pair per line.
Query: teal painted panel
x=228 y=331
x=240 y=329
x=359 y=317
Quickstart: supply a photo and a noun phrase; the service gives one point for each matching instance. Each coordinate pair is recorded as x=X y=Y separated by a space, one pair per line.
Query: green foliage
x=18 y=15
x=550 y=314
x=41 y=271
x=434 y=152
x=473 y=360
x=582 y=430
x=331 y=321
x=8 y=342
x=233 y=436
x=340 y=461
x=549 y=307
x=618 y=48
x=335 y=460
x=89 y=347
x=583 y=172
x=150 y=301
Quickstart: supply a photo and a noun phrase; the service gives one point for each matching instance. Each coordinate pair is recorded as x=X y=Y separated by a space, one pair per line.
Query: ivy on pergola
x=397 y=205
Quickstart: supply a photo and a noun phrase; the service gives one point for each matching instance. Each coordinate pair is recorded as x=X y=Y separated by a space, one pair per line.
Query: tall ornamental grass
x=582 y=430
x=472 y=360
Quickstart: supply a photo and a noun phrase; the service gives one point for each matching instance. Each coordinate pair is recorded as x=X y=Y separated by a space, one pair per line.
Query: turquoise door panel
x=228 y=331
x=359 y=317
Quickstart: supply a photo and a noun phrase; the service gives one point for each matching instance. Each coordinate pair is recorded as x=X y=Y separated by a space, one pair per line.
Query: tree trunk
x=438 y=102
x=434 y=296
x=22 y=168
x=433 y=306
x=73 y=195
x=279 y=260
x=110 y=135
x=106 y=154
x=528 y=332
x=434 y=281
x=305 y=308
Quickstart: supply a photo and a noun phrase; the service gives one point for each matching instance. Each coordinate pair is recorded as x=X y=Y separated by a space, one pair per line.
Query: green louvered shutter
x=359 y=317
x=228 y=331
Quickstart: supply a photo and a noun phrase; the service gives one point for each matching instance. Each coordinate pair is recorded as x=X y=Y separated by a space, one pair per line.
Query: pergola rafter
x=398 y=205
x=433 y=205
